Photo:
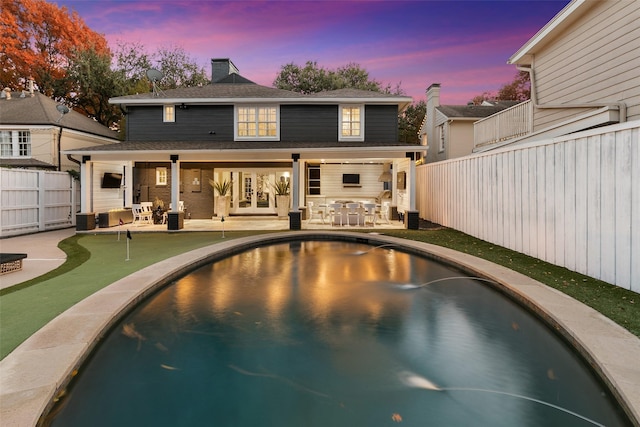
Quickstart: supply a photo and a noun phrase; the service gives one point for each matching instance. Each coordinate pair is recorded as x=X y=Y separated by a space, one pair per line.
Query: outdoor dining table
x=351 y=213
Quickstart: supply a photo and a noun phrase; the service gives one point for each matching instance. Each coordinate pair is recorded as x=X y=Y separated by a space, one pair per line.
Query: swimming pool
x=333 y=333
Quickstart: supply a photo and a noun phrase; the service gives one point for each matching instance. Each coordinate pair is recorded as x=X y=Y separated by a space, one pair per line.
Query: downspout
x=622 y=107
x=59 y=150
x=77 y=162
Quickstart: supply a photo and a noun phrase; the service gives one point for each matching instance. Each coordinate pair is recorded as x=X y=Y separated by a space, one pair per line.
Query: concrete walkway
x=43 y=254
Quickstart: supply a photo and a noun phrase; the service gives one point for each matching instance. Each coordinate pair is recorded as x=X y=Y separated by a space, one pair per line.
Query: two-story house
x=34 y=130
x=584 y=67
x=448 y=130
x=330 y=145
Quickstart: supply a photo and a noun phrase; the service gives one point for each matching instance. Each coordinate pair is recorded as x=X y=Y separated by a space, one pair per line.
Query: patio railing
x=510 y=123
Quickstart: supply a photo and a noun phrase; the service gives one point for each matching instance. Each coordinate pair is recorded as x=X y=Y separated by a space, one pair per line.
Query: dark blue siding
x=192 y=124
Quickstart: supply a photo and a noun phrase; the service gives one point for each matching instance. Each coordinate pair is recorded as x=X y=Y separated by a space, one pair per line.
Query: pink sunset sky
x=463 y=45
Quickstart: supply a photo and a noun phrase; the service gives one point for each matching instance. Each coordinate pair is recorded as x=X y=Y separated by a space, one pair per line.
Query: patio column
x=412 y=216
x=86 y=219
x=295 y=222
x=128 y=185
x=175 y=217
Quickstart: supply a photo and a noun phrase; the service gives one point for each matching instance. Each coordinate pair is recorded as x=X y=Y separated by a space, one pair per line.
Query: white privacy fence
x=32 y=201
x=573 y=201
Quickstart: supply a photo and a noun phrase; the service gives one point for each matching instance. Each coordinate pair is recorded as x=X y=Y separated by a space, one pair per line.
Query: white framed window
x=169 y=114
x=442 y=138
x=257 y=122
x=161 y=176
x=351 y=126
x=15 y=143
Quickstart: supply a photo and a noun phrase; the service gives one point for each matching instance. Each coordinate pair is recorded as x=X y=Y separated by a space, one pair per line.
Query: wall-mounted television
x=111 y=180
x=350 y=178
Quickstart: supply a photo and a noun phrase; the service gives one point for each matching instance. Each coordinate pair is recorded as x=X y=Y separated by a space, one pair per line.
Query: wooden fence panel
x=33 y=201
x=572 y=201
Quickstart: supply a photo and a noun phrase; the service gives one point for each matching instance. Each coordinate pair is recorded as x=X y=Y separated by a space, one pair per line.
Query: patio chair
x=314 y=212
x=335 y=213
x=370 y=213
x=352 y=212
x=141 y=215
x=384 y=212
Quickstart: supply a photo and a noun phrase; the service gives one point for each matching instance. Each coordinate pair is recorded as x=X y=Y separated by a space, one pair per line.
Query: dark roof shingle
x=41 y=110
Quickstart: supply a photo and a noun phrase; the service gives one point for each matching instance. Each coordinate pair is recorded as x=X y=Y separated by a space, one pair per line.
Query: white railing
x=510 y=123
x=573 y=201
x=33 y=201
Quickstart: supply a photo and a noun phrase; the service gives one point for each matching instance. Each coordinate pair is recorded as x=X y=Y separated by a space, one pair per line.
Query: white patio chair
x=370 y=213
x=314 y=212
x=352 y=212
x=385 y=212
x=335 y=213
x=141 y=215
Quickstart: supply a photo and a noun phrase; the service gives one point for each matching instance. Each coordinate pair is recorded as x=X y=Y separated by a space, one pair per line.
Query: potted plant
x=281 y=189
x=222 y=188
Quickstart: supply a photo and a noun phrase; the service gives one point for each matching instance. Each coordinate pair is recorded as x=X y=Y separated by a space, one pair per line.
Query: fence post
x=41 y=201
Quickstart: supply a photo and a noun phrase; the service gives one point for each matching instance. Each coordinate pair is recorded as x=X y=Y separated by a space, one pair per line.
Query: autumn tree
x=38 y=39
x=517 y=90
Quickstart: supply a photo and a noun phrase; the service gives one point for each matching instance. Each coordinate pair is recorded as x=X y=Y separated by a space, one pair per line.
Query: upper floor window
x=351 y=123
x=257 y=122
x=15 y=143
x=169 y=114
x=442 y=137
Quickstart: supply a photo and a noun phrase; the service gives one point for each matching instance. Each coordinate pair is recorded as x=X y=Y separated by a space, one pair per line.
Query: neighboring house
x=585 y=72
x=447 y=130
x=332 y=145
x=34 y=130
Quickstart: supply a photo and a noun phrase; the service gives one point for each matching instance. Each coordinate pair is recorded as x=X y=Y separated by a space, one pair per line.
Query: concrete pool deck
x=40 y=368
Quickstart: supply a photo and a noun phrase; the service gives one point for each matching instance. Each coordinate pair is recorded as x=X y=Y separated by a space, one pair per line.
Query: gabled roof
x=41 y=110
x=569 y=14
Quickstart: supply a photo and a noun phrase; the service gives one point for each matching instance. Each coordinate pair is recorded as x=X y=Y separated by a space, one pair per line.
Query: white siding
x=571 y=201
x=596 y=60
x=105 y=199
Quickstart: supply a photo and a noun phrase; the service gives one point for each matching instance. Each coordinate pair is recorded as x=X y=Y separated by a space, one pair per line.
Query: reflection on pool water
x=332 y=334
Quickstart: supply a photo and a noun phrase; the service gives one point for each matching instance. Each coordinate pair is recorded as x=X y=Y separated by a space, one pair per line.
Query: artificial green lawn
x=95 y=261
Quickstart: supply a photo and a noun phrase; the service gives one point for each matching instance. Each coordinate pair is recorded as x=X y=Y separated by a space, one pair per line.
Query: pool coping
x=39 y=369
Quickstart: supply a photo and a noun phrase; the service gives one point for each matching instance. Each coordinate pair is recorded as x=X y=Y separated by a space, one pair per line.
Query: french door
x=253 y=191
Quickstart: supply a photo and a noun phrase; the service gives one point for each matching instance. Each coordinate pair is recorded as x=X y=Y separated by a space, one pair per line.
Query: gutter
x=622 y=107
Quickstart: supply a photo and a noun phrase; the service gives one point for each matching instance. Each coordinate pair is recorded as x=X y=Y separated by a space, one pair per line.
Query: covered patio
x=269 y=223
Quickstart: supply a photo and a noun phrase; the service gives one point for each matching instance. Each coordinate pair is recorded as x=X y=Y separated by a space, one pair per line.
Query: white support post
x=175 y=185
x=86 y=202
x=295 y=189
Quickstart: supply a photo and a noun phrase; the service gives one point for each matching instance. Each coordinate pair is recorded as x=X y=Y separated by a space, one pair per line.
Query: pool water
x=332 y=334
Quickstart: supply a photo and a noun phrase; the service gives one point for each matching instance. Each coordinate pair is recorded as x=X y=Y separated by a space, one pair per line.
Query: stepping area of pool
x=39 y=369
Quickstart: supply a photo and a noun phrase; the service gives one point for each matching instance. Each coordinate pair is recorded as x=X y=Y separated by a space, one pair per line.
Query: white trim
x=166 y=118
x=359 y=138
x=237 y=137
x=159 y=181
x=551 y=27
x=403 y=101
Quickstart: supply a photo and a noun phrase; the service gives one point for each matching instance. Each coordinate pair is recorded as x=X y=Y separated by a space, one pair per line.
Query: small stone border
x=41 y=367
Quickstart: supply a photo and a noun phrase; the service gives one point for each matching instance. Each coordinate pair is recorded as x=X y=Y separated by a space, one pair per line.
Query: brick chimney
x=221 y=68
